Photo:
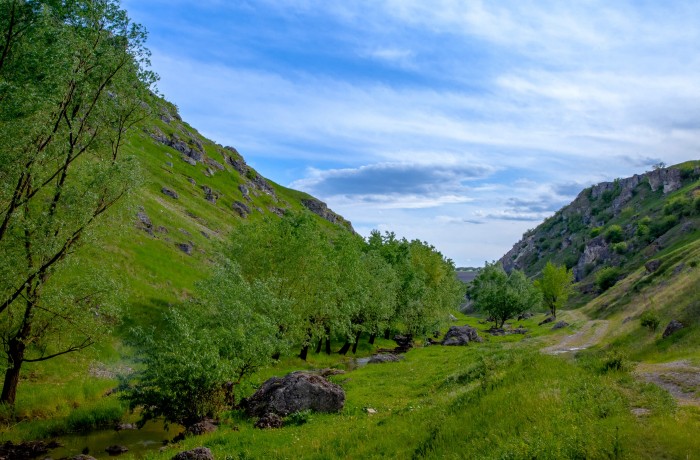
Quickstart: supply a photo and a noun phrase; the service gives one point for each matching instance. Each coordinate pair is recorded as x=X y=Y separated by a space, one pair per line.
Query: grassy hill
x=640 y=235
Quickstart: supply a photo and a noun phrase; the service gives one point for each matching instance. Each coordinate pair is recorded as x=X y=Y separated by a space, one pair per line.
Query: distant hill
x=634 y=246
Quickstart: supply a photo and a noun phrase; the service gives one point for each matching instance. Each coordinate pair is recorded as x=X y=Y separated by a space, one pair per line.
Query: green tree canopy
x=555 y=286
x=502 y=296
x=72 y=83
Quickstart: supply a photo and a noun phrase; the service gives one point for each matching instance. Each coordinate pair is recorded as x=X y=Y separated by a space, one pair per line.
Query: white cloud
x=570 y=94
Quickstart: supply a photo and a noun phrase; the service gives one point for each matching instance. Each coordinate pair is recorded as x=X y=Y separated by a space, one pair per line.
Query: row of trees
x=503 y=296
x=73 y=79
x=287 y=284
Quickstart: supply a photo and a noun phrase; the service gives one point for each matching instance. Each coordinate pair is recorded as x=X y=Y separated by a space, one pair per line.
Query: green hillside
x=169 y=243
x=634 y=247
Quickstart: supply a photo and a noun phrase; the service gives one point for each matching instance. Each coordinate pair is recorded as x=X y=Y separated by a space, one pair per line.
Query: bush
x=679 y=206
x=595 y=231
x=620 y=248
x=661 y=226
x=606 y=278
x=614 y=234
x=615 y=361
x=650 y=320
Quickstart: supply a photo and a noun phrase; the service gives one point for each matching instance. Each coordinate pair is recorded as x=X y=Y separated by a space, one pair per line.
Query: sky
x=462 y=123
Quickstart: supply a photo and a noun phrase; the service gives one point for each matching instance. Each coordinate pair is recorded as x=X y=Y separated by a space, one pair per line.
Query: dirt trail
x=590 y=334
x=680 y=378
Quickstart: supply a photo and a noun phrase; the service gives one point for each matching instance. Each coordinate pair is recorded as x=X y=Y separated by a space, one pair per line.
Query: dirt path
x=590 y=334
x=680 y=378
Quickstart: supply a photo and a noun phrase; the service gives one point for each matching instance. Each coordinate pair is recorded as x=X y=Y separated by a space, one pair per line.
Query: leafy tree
x=555 y=286
x=291 y=254
x=502 y=296
x=650 y=320
x=72 y=82
x=607 y=277
x=205 y=348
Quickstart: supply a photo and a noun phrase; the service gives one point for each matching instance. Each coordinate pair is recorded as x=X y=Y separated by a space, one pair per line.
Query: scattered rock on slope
x=461 y=335
x=673 y=327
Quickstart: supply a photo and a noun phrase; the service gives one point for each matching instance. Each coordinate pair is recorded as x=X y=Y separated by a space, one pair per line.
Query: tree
x=555 y=286
x=72 y=83
x=502 y=296
x=205 y=348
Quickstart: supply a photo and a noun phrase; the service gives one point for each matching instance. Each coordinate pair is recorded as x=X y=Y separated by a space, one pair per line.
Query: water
x=139 y=442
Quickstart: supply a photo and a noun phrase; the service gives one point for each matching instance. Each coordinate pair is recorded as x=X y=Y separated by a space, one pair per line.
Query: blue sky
x=458 y=122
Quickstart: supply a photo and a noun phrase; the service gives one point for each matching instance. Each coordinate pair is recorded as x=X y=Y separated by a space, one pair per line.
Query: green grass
x=483 y=401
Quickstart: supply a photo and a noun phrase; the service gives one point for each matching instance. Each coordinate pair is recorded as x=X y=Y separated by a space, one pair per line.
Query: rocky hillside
x=194 y=193
x=624 y=224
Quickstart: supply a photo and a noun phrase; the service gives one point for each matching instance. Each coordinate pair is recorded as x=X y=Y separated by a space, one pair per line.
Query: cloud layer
x=458 y=122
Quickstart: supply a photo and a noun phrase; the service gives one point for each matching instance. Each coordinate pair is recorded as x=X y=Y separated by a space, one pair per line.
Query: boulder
x=241 y=208
x=525 y=315
x=269 y=421
x=144 y=222
x=384 y=358
x=295 y=392
x=188 y=160
x=200 y=428
x=170 y=193
x=560 y=325
x=652 y=265
x=116 y=449
x=673 y=327
x=200 y=453
x=82 y=457
x=125 y=426
x=404 y=343
x=461 y=335
x=187 y=248
x=547 y=320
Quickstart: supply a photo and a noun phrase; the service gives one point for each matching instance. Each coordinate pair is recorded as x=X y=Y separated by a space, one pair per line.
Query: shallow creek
x=139 y=442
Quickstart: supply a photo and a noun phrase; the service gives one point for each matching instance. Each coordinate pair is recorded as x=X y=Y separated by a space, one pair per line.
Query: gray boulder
x=547 y=320
x=673 y=327
x=295 y=392
x=560 y=325
x=269 y=421
x=461 y=335
x=652 y=265
x=170 y=193
x=384 y=358
x=200 y=453
x=116 y=449
x=241 y=208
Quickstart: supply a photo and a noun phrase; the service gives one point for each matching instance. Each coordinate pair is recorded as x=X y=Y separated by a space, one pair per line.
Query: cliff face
x=652 y=210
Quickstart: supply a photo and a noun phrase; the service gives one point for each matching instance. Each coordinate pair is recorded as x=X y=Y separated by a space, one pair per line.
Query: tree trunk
x=15 y=358
x=371 y=338
x=304 y=352
x=357 y=340
x=387 y=334
x=344 y=349
x=328 y=345
x=319 y=346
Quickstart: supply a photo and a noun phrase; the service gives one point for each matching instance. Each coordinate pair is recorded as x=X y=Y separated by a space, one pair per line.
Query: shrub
x=615 y=361
x=614 y=234
x=595 y=231
x=606 y=278
x=661 y=226
x=650 y=320
x=679 y=206
x=620 y=248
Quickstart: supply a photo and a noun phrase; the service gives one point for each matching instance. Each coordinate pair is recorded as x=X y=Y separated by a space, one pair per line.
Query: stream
x=139 y=442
